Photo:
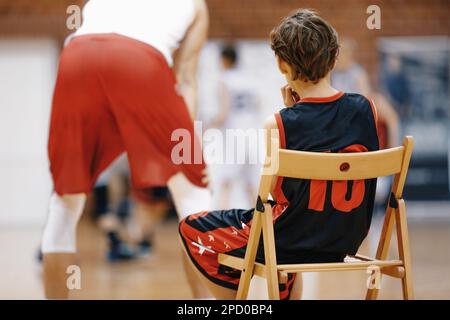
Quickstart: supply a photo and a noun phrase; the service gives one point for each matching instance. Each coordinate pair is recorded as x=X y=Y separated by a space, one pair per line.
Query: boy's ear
x=282 y=65
x=335 y=62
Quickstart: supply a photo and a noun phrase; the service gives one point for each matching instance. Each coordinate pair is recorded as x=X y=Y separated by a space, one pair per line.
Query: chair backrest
x=341 y=166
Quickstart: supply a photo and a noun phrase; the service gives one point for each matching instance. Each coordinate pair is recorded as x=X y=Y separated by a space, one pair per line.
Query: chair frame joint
x=393 y=201
x=260 y=205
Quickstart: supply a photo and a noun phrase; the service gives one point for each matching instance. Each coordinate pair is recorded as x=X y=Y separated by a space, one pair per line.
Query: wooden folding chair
x=329 y=166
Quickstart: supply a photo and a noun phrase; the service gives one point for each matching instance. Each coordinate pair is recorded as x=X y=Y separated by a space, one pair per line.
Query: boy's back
x=325 y=216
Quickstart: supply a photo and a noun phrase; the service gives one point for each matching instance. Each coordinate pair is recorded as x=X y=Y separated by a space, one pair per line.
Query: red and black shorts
x=207 y=234
x=114 y=94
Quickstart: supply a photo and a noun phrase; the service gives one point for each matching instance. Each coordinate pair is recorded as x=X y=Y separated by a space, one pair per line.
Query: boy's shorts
x=206 y=234
x=114 y=94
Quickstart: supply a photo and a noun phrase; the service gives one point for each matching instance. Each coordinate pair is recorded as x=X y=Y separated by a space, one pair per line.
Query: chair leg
x=270 y=255
x=383 y=246
x=403 y=249
x=250 y=256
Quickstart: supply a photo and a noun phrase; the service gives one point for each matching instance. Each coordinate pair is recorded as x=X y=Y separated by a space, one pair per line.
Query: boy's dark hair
x=306 y=42
x=229 y=52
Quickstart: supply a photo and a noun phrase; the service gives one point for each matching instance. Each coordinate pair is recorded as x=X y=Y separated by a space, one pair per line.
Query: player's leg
x=297 y=288
x=83 y=141
x=59 y=242
x=188 y=199
x=194 y=274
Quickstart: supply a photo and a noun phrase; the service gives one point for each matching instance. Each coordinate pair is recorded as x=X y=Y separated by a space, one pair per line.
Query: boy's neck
x=310 y=90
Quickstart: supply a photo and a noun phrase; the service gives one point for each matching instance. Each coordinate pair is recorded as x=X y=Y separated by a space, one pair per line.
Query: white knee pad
x=187 y=197
x=60 y=230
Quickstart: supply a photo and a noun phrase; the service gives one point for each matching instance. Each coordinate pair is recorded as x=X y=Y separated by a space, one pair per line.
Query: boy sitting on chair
x=314 y=221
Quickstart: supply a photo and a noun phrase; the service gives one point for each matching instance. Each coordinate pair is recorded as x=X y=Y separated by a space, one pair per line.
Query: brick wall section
x=34 y=18
x=231 y=19
x=255 y=18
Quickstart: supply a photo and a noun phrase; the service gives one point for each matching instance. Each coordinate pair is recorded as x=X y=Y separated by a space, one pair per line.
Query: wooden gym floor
x=161 y=275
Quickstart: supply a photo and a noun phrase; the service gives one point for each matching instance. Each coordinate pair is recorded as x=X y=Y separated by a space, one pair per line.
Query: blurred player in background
x=128 y=216
x=239 y=110
x=349 y=75
x=111 y=208
x=150 y=207
x=120 y=88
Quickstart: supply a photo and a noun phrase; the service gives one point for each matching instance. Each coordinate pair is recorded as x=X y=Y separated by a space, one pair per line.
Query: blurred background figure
x=111 y=209
x=150 y=207
x=395 y=84
x=239 y=112
x=350 y=76
x=128 y=216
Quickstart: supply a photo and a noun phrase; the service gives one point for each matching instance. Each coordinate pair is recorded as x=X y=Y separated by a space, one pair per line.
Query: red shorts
x=114 y=94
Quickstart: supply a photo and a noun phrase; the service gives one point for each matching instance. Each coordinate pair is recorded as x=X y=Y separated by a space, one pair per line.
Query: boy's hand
x=290 y=97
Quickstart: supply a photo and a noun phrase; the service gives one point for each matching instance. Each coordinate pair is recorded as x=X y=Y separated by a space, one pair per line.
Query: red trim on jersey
x=323 y=99
x=374 y=111
x=278 y=192
x=353 y=148
x=281 y=130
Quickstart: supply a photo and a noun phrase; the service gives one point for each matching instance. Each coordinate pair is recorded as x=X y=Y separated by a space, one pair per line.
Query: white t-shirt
x=160 y=23
x=244 y=104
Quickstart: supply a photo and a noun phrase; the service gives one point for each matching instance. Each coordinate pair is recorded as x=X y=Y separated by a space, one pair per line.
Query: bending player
x=311 y=224
x=118 y=90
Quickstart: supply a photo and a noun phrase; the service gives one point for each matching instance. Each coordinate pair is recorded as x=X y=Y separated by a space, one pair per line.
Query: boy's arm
x=290 y=97
x=270 y=124
x=187 y=55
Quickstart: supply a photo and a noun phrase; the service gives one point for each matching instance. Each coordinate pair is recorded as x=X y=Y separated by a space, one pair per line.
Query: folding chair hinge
x=260 y=205
x=393 y=202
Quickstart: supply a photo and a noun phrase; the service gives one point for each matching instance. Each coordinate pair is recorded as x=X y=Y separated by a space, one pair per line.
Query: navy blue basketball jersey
x=325 y=216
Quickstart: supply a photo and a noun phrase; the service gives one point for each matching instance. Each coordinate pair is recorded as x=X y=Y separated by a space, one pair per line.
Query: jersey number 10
x=318 y=191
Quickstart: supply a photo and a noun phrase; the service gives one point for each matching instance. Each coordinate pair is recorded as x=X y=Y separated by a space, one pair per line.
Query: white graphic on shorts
x=201 y=247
